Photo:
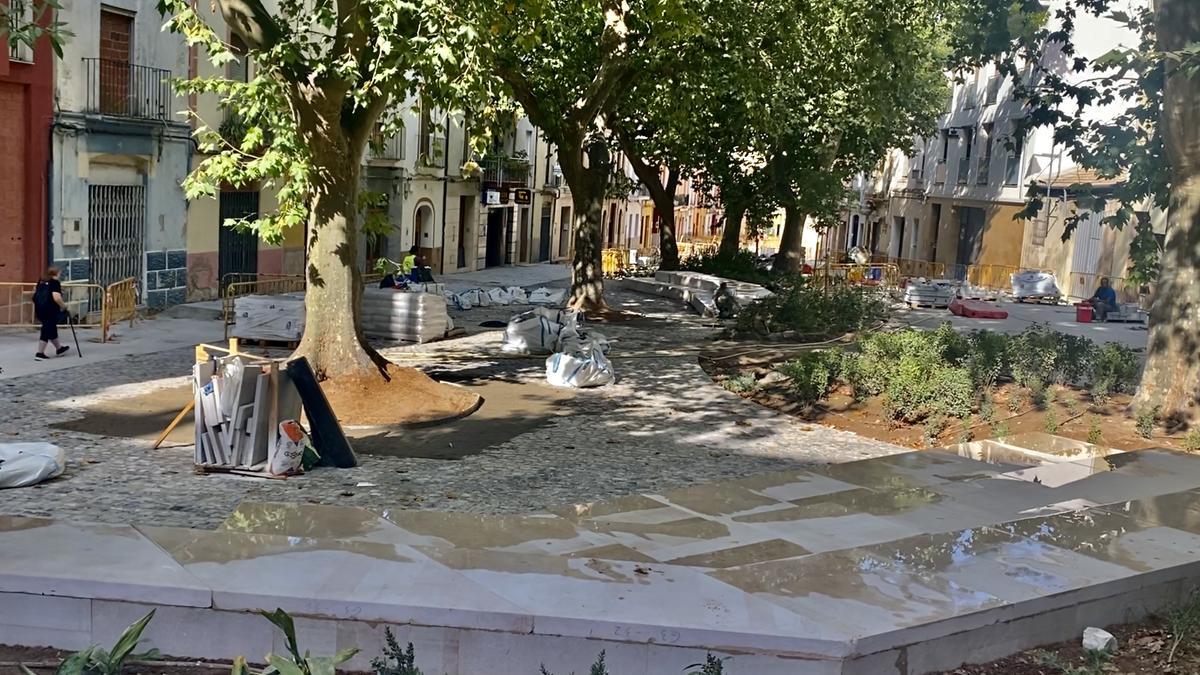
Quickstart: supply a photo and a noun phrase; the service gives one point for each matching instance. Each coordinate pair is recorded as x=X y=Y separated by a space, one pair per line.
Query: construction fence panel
x=16 y=302
x=238 y=284
x=120 y=303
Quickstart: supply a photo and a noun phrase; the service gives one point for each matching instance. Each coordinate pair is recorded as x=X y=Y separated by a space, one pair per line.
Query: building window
x=985 y=159
x=20 y=16
x=964 y=161
x=1012 y=166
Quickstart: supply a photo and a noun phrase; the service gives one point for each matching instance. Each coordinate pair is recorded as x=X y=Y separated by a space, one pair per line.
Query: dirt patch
x=509 y=409
x=408 y=397
x=411 y=397
x=1141 y=648
x=1066 y=412
x=143 y=416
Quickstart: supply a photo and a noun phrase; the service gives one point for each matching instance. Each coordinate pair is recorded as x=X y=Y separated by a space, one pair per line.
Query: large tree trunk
x=333 y=341
x=588 y=186
x=791 y=250
x=731 y=236
x=1172 y=375
x=668 y=245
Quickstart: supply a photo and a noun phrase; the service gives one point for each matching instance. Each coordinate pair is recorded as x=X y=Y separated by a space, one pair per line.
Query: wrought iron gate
x=116 y=232
x=237 y=250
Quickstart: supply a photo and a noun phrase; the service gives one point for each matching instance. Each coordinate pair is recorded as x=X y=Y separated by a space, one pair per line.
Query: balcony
x=939 y=172
x=386 y=148
x=505 y=170
x=556 y=179
x=1012 y=168
x=915 y=174
x=124 y=90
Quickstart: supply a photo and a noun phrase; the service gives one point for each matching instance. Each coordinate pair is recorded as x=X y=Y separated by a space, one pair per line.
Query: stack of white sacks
x=513 y=295
x=577 y=357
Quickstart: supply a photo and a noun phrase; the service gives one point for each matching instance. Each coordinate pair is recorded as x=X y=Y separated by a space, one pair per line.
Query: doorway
x=897 y=249
x=544 y=235
x=970 y=235
x=497 y=223
x=237 y=250
x=466 y=209
x=564 y=232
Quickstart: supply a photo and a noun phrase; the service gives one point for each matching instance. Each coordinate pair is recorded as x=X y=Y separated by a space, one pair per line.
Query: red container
x=1083 y=312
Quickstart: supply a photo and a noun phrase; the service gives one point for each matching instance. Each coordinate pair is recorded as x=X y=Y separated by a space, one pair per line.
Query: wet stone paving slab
x=664 y=425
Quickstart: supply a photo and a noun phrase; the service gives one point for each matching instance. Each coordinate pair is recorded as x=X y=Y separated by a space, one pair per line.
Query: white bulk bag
x=25 y=464
x=588 y=369
x=1032 y=284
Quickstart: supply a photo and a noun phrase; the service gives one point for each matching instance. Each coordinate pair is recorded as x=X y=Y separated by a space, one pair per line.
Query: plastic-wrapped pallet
x=404 y=316
x=269 y=317
x=1034 y=284
x=934 y=294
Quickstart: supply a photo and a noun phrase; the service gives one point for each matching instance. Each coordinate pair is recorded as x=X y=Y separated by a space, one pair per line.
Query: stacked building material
x=277 y=318
x=404 y=316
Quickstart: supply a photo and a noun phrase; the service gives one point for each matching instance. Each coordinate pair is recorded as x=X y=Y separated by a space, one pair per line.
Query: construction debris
x=1035 y=285
x=277 y=318
x=404 y=316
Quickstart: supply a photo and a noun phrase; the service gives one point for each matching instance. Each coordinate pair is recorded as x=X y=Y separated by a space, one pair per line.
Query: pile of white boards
x=239 y=403
x=278 y=318
x=404 y=316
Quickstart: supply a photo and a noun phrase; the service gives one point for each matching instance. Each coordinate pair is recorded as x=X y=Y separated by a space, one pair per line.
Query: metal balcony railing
x=964 y=169
x=389 y=148
x=1012 y=168
x=505 y=170
x=433 y=151
x=125 y=90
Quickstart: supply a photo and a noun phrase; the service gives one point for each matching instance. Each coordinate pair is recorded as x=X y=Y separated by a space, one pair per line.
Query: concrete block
x=176 y=296
x=156 y=299
x=177 y=258
x=152 y=283
x=156 y=260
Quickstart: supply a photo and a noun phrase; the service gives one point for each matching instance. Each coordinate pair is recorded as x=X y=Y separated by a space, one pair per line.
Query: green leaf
x=128 y=641
x=283 y=621
x=284 y=666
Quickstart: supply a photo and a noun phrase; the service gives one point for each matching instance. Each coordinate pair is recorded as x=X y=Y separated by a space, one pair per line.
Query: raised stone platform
x=696 y=290
x=903 y=564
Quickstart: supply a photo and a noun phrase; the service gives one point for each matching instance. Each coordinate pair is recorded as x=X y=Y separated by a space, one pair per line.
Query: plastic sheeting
x=537 y=331
x=404 y=316
x=269 y=317
x=503 y=297
x=580 y=369
x=25 y=464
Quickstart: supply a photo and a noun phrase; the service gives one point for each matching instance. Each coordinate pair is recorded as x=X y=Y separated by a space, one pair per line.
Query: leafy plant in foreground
x=395 y=661
x=1145 y=419
x=711 y=666
x=97 y=661
x=1191 y=442
x=598 y=668
x=298 y=664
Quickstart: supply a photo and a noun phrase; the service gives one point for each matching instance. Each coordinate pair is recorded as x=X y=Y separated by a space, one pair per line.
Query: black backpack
x=43 y=302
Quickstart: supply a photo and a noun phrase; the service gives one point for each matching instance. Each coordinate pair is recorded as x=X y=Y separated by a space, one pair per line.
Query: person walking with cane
x=48 y=306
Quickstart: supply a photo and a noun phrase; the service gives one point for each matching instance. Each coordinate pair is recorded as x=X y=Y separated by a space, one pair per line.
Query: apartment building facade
x=26 y=117
x=120 y=149
x=953 y=198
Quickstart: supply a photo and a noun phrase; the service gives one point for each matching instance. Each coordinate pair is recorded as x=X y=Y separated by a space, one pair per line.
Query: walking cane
x=71 y=323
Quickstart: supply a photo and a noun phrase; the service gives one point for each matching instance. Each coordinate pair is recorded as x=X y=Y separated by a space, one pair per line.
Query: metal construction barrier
x=993 y=277
x=613 y=260
x=886 y=275
x=84 y=301
x=239 y=284
x=919 y=268
x=120 y=303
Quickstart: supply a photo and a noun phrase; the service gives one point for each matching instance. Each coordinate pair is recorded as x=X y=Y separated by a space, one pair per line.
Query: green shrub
x=741 y=266
x=987 y=357
x=711 y=666
x=1000 y=429
x=741 y=383
x=1114 y=370
x=395 y=661
x=987 y=410
x=1144 y=420
x=96 y=660
x=810 y=310
x=1072 y=403
x=1191 y=442
x=1015 y=402
x=811 y=374
x=933 y=429
x=916 y=390
x=1095 y=435
x=1050 y=421
x=598 y=668
x=1040 y=356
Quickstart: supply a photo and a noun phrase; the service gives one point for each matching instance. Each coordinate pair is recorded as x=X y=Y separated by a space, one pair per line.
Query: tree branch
x=251 y=22
x=650 y=176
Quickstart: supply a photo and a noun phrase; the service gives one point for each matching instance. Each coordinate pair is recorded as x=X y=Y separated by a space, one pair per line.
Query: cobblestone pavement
x=664 y=424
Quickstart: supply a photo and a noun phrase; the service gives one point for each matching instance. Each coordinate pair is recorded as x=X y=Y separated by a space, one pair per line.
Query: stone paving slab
x=663 y=425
